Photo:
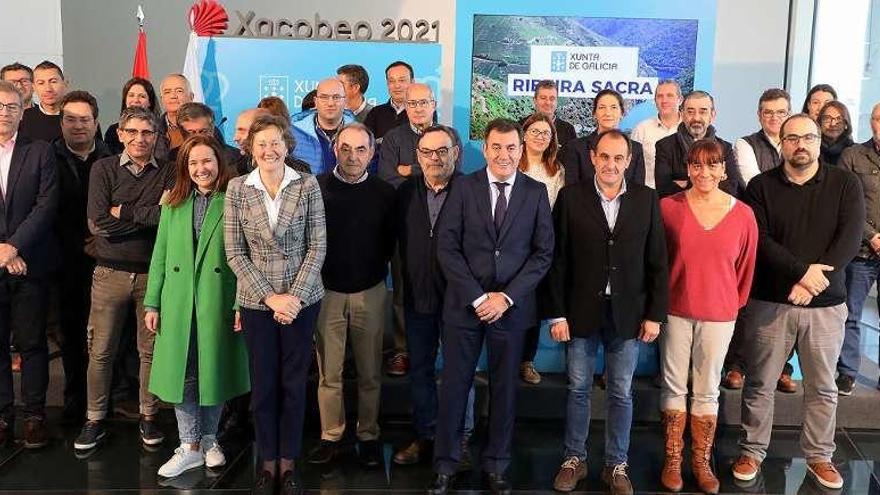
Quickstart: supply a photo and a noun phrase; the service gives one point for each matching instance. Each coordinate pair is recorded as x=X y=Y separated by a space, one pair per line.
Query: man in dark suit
x=28 y=254
x=495 y=245
x=670 y=169
x=608 y=285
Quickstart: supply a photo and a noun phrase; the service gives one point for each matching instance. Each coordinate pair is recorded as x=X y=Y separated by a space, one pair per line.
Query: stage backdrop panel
x=238 y=72
x=503 y=48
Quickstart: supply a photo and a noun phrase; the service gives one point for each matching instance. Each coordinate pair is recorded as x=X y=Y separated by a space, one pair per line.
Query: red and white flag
x=141 y=67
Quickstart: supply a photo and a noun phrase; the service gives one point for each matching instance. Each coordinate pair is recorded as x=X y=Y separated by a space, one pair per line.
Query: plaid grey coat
x=286 y=260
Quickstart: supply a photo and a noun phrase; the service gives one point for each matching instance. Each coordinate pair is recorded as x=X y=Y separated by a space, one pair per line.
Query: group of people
x=246 y=264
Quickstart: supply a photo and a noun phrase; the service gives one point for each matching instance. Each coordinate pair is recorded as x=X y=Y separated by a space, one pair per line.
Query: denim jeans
x=422 y=342
x=621 y=357
x=194 y=421
x=861 y=274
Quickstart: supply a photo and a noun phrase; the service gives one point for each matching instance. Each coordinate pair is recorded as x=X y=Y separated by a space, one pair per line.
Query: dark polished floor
x=121 y=465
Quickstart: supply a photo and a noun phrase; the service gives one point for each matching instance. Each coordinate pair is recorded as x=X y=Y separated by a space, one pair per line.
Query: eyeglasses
x=133 y=133
x=828 y=119
x=71 y=120
x=794 y=139
x=419 y=103
x=774 y=113
x=24 y=81
x=440 y=152
x=544 y=134
x=10 y=107
x=333 y=98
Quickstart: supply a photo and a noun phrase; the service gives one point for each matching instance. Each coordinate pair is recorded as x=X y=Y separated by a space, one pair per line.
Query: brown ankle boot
x=673 y=433
x=702 y=438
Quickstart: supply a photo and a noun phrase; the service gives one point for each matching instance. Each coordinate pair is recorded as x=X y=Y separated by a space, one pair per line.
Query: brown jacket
x=864 y=161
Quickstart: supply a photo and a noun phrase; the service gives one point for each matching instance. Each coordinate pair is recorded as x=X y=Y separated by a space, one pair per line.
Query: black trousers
x=23 y=310
x=75 y=286
x=461 y=350
x=280 y=356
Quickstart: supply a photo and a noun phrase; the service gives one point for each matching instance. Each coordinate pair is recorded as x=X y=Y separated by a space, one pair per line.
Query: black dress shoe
x=498 y=485
x=291 y=484
x=370 y=454
x=264 y=484
x=324 y=452
x=440 y=485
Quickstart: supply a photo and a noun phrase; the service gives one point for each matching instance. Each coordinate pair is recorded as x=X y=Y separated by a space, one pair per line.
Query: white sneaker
x=183 y=459
x=213 y=453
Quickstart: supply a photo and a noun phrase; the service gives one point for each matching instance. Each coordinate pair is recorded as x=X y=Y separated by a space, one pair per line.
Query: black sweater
x=360 y=232
x=73 y=184
x=819 y=221
x=126 y=243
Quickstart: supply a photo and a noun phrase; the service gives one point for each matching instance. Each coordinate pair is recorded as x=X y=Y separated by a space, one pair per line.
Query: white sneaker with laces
x=214 y=456
x=184 y=459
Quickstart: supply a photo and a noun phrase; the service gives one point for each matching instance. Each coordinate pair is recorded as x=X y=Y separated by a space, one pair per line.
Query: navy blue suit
x=476 y=260
x=27 y=219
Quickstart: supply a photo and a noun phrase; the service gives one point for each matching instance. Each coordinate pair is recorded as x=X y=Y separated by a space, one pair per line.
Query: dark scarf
x=831 y=150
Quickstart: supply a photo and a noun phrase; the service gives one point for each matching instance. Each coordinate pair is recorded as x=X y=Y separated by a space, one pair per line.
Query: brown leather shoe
x=733 y=380
x=826 y=474
x=702 y=438
x=785 y=384
x=746 y=468
x=617 y=479
x=415 y=452
x=398 y=365
x=35 y=433
x=528 y=373
x=570 y=473
x=673 y=433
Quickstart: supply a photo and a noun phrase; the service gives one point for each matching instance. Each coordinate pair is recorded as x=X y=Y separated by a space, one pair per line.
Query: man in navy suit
x=28 y=254
x=495 y=245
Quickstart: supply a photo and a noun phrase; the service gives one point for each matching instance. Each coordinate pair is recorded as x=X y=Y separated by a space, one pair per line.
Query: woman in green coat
x=199 y=359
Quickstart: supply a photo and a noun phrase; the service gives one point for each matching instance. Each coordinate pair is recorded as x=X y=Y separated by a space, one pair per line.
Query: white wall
x=31 y=32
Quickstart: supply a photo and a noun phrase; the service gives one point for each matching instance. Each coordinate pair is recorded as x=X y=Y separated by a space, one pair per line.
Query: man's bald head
x=243 y=125
x=330 y=102
x=420 y=105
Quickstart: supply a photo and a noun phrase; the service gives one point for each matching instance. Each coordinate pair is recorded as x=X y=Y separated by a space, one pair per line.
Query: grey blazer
x=288 y=260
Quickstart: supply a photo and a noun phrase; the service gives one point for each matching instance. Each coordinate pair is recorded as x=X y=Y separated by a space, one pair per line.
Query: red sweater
x=710 y=271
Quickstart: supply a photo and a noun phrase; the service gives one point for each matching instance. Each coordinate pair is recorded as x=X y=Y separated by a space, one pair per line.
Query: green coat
x=193 y=284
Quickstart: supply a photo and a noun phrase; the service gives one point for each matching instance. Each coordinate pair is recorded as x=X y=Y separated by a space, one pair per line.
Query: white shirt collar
x=343 y=179
x=253 y=179
x=361 y=108
x=602 y=194
x=492 y=178
x=660 y=124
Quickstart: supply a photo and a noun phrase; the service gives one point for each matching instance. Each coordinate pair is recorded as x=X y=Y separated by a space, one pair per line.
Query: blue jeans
x=194 y=421
x=422 y=342
x=861 y=274
x=621 y=357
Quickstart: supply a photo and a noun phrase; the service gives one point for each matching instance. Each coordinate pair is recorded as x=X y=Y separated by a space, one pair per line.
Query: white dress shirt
x=273 y=205
x=746 y=159
x=6 y=161
x=647 y=133
x=493 y=199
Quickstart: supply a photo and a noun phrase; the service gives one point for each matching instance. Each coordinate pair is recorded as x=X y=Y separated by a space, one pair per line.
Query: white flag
x=191 y=68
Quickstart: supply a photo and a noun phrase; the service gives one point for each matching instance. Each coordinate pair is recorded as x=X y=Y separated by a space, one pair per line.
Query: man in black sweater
x=810 y=218
x=387 y=116
x=360 y=237
x=75 y=153
x=43 y=121
x=123 y=215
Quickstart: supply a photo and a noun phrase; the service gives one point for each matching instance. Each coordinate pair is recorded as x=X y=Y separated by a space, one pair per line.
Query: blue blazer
x=475 y=260
x=28 y=209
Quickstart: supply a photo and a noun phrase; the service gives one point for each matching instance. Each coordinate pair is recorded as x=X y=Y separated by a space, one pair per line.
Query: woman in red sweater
x=712 y=239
